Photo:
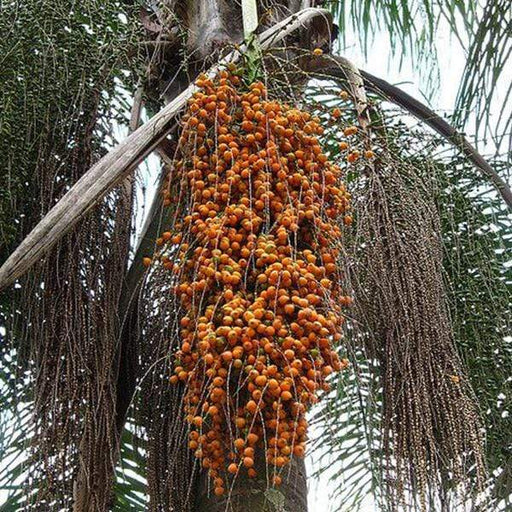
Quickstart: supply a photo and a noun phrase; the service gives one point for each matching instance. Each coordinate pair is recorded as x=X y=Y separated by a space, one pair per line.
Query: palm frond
x=346 y=436
x=484 y=87
x=130 y=488
x=16 y=434
x=482 y=33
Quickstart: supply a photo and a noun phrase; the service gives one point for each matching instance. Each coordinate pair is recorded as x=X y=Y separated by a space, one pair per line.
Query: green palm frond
x=484 y=86
x=347 y=437
x=16 y=434
x=482 y=32
x=130 y=488
x=478 y=238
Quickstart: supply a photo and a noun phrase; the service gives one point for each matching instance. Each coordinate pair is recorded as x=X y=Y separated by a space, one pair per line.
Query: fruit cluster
x=254 y=255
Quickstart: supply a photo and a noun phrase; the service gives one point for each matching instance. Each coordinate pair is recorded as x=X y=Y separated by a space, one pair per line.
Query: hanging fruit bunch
x=253 y=253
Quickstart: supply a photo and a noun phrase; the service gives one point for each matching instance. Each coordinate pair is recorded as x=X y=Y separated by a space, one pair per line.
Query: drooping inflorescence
x=254 y=255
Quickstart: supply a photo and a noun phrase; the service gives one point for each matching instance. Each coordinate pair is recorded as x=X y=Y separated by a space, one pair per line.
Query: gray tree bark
x=257 y=494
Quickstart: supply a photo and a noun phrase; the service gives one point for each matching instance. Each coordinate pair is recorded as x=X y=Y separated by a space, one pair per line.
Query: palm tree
x=89 y=421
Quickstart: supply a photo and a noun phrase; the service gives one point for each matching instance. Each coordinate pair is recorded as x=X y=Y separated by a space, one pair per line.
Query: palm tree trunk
x=257 y=494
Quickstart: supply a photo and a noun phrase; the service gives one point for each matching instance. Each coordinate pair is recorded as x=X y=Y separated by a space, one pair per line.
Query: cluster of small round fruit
x=255 y=261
